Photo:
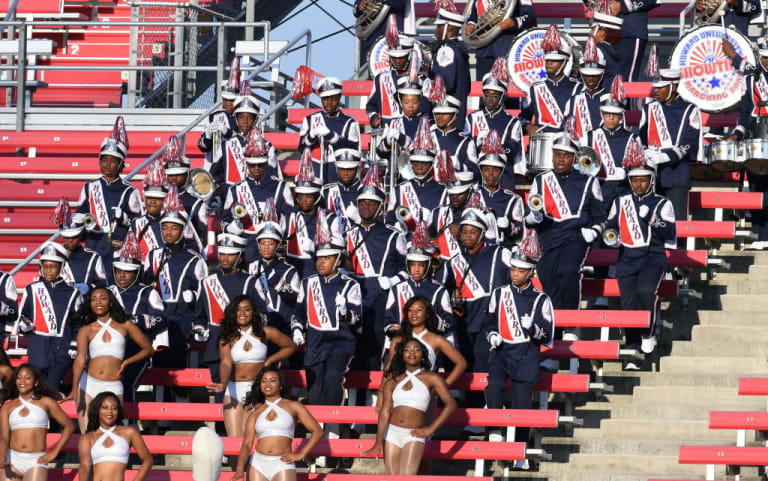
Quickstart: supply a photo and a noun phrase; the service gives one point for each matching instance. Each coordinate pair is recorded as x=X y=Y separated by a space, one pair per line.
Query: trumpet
x=611 y=238
x=536 y=202
x=588 y=161
x=402 y=213
x=90 y=222
x=239 y=210
x=457 y=304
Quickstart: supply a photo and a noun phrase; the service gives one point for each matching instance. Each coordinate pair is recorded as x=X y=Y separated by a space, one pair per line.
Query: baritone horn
x=712 y=12
x=374 y=12
x=536 y=202
x=486 y=27
x=588 y=161
x=611 y=238
x=201 y=184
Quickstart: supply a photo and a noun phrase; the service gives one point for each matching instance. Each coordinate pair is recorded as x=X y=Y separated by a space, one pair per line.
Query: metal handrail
x=10 y=14
x=691 y=5
x=307 y=33
x=142 y=3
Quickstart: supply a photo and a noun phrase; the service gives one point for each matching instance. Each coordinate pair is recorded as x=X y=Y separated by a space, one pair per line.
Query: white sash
x=317 y=312
x=299 y=243
x=470 y=285
x=631 y=231
x=164 y=287
x=99 y=205
x=390 y=107
x=555 y=203
x=658 y=132
x=46 y=323
x=761 y=89
x=67 y=275
x=360 y=257
x=404 y=294
x=480 y=128
x=583 y=119
x=217 y=299
x=235 y=161
x=148 y=241
x=449 y=246
x=549 y=110
x=252 y=207
x=603 y=149
x=509 y=320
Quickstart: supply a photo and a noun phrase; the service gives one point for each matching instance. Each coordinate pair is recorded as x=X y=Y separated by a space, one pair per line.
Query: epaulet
x=508 y=191
x=195 y=253
x=347 y=278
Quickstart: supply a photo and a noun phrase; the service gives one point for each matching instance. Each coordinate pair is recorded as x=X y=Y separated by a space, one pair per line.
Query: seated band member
x=406 y=394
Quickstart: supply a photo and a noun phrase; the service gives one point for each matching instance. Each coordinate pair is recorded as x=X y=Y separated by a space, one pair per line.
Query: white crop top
x=115 y=347
x=35 y=418
x=282 y=425
x=416 y=397
x=256 y=354
x=117 y=453
x=430 y=352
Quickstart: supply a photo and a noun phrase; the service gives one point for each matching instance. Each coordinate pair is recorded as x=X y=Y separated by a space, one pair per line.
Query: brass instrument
x=587 y=161
x=611 y=238
x=404 y=166
x=713 y=11
x=402 y=213
x=239 y=210
x=457 y=304
x=536 y=202
x=90 y=222
x=486 y=29
x=200 y=184
x=374 y=12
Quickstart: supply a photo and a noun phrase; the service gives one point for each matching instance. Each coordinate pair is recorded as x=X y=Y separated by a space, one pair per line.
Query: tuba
x=374 y=12
x=486 y=26
x=713 y=11
x=611 y=238
x=201 y=184
x=587 y=161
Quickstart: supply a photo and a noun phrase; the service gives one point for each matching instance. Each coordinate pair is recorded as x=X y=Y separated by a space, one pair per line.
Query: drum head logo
x=708 y=79
x=378 y=57
x=525 y=59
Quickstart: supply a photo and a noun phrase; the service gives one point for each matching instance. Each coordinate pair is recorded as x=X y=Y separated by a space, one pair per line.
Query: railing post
x=21 y=78
x=221 y=59
x=308 y=61
x=178 y=60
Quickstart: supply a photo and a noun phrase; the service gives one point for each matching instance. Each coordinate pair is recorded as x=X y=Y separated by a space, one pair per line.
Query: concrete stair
x=634 y=433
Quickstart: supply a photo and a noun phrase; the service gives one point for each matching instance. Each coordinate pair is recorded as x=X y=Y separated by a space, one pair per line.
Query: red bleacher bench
x=73 y=475
x=732 y=457
x=675 y=258
x=741 y=421
x=610 y=287
x=68 y=141
x=753 y=386
x=562 y=10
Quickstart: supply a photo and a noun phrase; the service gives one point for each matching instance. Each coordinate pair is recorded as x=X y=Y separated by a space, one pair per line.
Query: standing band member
x=84 y=268
x=451 y=60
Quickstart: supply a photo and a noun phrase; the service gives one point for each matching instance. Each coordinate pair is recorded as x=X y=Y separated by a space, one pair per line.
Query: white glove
x=212 y=128
x=643 y=211
x=341 y=305
x=234 y=228
x=4 y=309
x=534 y=218
x=662 y=158
x=188 y=296
x=119 y=216
x=162 y=341
x=201 y=333
x=320 y=130
x=526 y=321
x=287 y=289
x=451 y=339
x=384 y=282
x=392 y=133
x=353 y=215
x=502 y=222
x=298 y=337
x=83 y=288
x=588 y=234
x=494 y=339
x=72 y=353
x=442 y=324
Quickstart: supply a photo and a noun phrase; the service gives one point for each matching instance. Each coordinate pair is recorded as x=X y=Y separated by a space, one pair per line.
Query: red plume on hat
x=305 y=174
x=475 y=201
x=172 y=150
x=634 y=156
x=437 y=93
x=551 y=39
x=499 y=70
x=590 y=51
x=234 y=74
x=492 y=144
x=413 y=68
x=445 y=172
x=156 y=174
x=423 y=139
x=172 y=202
x=131 y=248
x=270 y=213
x=303 y=82
x=604 y=7
x=570 y=128
x=420 y=239
x=446 y=5
x=393 y=39
x=119 y=133
x=323 y=233
x=61 y=214
x=652 y=68
x=530 y=247
x=617 y=90
x=256 y=145
x=372 y=178
x=245 y=88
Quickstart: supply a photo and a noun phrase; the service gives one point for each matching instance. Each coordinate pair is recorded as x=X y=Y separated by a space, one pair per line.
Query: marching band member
x=612 y=141
x=418 y=283
x=521 y=18
x=645 y=225
x=253 y=193
x=146 y=227
x=444 y=224
x=302 y=223
x=451 y=59
x=111 y=201
x=222 y=122
x=328 y=128
x=278 y=281
x=569 y=221
x=494 y=117
x=9 y=304
x=371 y=247
x=176 y=273
x=422 y=194
x=143 y=304
x=673 y=126
x=549 y=101
x=445 y=111
x=47 y=306
x=214 y=294
x=586 y=104
x=83 y=268
x=503 y=204
x=738 y=13
x=328 y=309
x=753 y=106
x=634 y=34
x=606 y=30
x=474 y=273
x=176 y=167
x=341 y=196
x=520 y=319
x=401 y=15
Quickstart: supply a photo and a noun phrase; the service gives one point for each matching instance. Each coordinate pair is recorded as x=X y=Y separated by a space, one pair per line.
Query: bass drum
x=525 y=59
x=378 y=57
x=708 y=80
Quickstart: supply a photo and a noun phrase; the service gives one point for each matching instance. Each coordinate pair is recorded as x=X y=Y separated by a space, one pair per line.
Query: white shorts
x=400 y=436
x=269 y=466
x=93 y=387
x=23 y=462
x=238 y=390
